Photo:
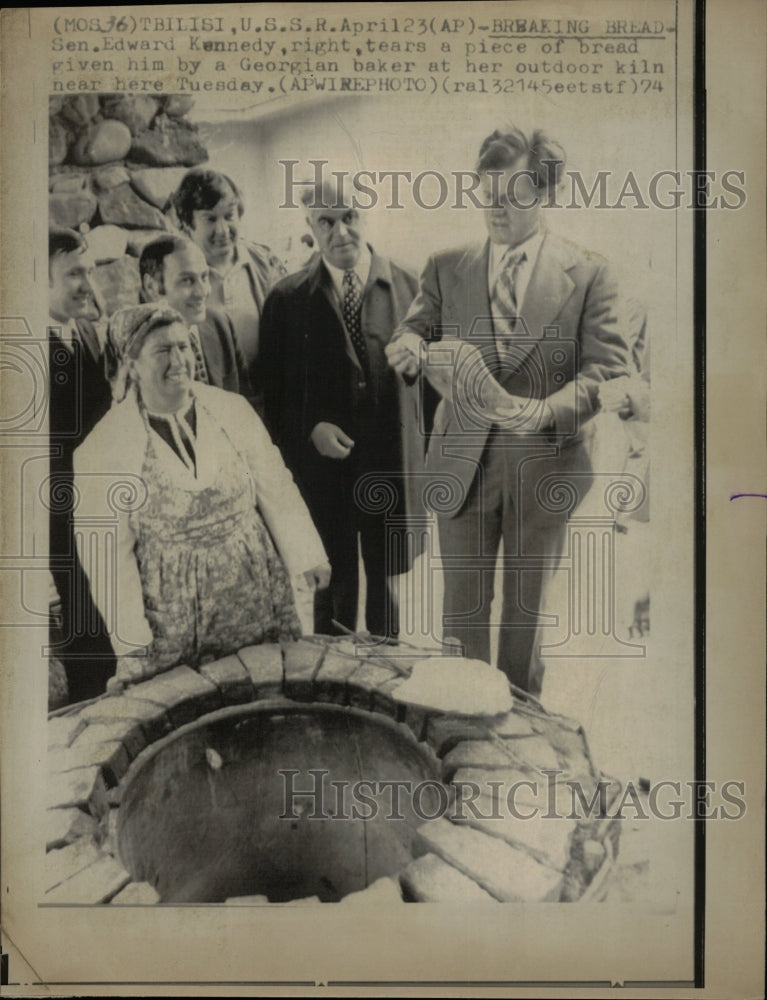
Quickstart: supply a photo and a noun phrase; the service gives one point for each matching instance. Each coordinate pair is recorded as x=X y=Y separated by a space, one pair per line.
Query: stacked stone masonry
x=114 y=162
x=461 y=856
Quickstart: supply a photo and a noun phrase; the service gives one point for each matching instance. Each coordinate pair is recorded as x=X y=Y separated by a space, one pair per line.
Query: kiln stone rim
x=95 y=747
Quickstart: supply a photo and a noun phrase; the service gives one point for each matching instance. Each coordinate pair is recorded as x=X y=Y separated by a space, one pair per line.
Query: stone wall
x=114 y=161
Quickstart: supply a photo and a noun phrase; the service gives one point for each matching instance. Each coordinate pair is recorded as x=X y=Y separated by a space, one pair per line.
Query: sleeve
x=277 y=269
x=243 y=379
x=265 y=374
x=239 y=366
x=268 y=264
x=424 y=317
x=280 y=501
x=292 y=401
x=604 y=351
x=102 y=511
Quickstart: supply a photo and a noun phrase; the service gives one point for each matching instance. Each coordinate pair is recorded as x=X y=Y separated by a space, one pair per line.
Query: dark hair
x=202 y=189
x=152 y=259
x=545 y=157
x=61 y=240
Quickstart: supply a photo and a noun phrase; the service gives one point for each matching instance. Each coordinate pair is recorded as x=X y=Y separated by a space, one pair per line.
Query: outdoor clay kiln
x=240 y=784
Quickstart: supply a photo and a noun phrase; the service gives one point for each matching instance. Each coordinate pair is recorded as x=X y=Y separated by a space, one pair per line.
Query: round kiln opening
x=275 y=800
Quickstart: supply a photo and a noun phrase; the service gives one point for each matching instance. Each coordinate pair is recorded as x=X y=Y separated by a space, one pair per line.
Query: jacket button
x=361 y=385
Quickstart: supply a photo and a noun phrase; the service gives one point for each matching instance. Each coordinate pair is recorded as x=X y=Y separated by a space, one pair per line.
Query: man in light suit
x=345 y=424
x=544 y=315
x=173 y=268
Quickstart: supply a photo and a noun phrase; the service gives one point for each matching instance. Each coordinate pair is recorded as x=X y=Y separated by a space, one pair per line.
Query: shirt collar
x=531 y=246
x=186 y=412
x=240 y=259
x=66 y=332
x=361 y=269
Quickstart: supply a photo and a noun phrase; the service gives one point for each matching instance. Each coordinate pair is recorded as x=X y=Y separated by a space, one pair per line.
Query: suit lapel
x=320 y=283
x=549 y=288
x=471 y=271
x=89 y=340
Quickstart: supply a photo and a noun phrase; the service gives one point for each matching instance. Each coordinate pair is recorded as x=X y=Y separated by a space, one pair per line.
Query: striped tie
x=504 y=298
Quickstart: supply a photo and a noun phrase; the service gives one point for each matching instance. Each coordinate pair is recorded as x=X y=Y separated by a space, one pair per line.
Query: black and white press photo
x=357 y=478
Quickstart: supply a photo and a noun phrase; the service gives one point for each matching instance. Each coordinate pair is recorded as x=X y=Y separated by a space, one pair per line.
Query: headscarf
x=128 y=328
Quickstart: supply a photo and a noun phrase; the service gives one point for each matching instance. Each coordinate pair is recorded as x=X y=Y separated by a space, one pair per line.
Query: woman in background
x=205 y=552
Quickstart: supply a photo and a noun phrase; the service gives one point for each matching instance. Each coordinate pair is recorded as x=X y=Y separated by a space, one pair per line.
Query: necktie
x=352 y=310
x=200 y=369
x=504 y=297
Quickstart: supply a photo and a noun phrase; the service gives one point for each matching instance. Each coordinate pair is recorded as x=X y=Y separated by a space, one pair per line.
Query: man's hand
x=614 y=396
x=402 y=357
x=319 y=577
x=523 y=416
x=330 y=441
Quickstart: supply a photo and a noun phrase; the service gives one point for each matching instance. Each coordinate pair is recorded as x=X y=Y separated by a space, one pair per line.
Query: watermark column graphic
x=589 y=562
x=33 y=489
x=469 y=375
x=408 y=536
x=103 y=499
x=25 y=452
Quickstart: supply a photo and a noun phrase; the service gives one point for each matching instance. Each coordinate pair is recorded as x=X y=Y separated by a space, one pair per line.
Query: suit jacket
x=225 y=364
x=310 y=373
x=79 y=392
x=242 y=292
x=79 y=396
x=571 y=341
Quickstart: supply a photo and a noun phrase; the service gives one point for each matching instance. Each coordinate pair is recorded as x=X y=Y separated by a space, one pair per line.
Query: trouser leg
x=380 y=559
x=469 y=544
x=531 y=544
x=339 y=600
x=517 y=642
x=81 y=642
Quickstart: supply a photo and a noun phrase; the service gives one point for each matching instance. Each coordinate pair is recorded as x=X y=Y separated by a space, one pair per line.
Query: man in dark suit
x=345 y=424
x=79 y=395
x=543 y=314
x=173 y=268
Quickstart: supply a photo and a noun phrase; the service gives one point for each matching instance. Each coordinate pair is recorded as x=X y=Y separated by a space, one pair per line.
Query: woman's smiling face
x=164 y=368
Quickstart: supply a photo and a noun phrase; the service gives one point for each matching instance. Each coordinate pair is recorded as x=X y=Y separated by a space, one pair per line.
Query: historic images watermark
x=460 y=189
x=311 y=794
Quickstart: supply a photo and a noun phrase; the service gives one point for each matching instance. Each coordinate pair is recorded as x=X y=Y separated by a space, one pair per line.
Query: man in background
x=347 y=427
x=79 y=395
x=173 y=268
x=209 y=209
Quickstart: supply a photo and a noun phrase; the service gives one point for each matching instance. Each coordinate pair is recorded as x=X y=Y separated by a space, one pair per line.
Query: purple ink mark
x=737 y=496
